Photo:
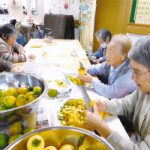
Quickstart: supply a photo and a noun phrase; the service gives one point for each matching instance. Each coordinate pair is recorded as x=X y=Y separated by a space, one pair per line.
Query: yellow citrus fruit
x=15 y=128
x=9 y=101
x=31 y=98
x=37 y=90
x=67 y=147
x=13 y=138
x=52 y=93
x=22 y=90
x=35 y=142
x=21 y=100
x=61 y=83
x=11 y=92
x=29 y=94
x=50 y=148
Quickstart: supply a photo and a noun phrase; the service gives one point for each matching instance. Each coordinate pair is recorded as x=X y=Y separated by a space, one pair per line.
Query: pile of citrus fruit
x=37 y=142
x=73 y=113
x=15 y=97
x=15 y=131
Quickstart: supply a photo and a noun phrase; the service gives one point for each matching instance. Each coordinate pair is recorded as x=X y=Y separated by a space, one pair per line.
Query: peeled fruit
x=9 y=101
x=81 y=71
x=11 y=92
x=15 y=128
x=61 y=83
x=52 y=93
x=14 y=137
x=92 y=103
x=67 y=147
x=37 y=90
x=22 y=90
x=35 y=143
x=3 y=140
x=75 y=80
x=21 y=100
x=103 y=114
x=50 y=148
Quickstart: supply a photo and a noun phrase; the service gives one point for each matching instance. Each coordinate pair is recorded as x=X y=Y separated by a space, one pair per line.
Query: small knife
x=86 y=98
x=81 y=65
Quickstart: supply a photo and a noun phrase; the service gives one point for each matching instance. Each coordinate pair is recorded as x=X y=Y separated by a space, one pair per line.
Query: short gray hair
x=140 y=52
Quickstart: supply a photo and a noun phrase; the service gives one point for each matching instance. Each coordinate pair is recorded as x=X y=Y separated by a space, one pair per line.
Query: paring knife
x=81 y=65
x=86 y=98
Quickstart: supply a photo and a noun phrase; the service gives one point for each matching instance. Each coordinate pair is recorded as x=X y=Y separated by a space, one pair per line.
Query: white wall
x=15 y=12
x=56 y=7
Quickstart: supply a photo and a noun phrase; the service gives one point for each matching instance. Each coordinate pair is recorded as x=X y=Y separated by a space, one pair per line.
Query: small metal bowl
x=57 y=136
x=25 y=113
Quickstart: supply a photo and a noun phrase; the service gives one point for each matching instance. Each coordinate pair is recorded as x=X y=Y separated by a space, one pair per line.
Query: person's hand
x=100 y=60
x=86 y=78
x=93 y=59
x=21 y=50
x=16 y=69
x=31 y=57
x=99 y=106
x=93 y=120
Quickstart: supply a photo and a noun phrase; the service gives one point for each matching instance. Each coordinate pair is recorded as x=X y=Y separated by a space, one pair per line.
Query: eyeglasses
x=138 y=75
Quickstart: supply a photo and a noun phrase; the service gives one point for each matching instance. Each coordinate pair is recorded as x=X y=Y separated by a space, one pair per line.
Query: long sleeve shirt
x=119 y=80
x=100 y=54
x=5 y=65
x=13 y=54
x=136 y=107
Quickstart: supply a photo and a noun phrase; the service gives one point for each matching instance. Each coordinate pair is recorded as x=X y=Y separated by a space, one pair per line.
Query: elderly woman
x=103 y=36
x=9 y=49
x=114 y=74
x=135 y=107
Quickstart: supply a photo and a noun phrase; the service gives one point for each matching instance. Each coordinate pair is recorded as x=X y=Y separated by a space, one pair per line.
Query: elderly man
x=135 y=106
x=115 y=74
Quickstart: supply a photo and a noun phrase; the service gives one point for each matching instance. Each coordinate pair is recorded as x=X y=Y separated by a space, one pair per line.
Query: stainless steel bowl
x=26 y=113
x=56 y=136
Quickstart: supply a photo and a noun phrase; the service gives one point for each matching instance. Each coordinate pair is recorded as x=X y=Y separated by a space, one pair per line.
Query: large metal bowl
x=57 y=136
x=26 y=113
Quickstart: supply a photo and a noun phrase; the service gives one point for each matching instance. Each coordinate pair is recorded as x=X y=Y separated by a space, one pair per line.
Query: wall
x=58 y=7
x=16 y=11
x=113 y=15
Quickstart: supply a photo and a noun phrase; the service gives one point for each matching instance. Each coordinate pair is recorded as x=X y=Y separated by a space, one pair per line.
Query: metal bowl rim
x=25 y=74
x=76 y=129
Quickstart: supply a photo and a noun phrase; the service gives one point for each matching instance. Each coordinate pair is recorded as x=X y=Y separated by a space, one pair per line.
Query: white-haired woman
x=135 y=107
x=114 y=74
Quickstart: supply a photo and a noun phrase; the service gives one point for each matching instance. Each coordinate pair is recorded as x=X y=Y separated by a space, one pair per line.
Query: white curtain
x=87 y=19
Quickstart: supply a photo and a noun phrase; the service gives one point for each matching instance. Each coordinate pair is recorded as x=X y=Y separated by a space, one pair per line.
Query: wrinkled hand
x=100 y=106
x=100 y=60
x=16 y=69
x=93 y=120
x=31 y=57
x=86 y=78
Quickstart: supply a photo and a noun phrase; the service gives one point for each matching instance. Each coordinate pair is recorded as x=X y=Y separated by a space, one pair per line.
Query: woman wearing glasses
x=135 y=107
